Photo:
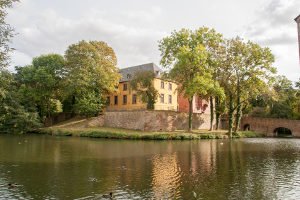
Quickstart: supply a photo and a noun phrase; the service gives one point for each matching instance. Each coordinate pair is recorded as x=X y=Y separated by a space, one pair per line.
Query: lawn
x=118 y=133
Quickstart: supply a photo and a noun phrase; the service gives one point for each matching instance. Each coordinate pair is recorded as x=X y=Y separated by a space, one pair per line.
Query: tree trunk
x=190 y=114
x=218 y=112
x=230 y=116
x=211 y=102
x=72 y=104
x=238 y=108
x=238 y=115
x=238 y=122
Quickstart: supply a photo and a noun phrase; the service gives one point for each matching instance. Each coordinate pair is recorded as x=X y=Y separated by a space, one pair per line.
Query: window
x=125 y=87
x=116 y=100
x=108 y=101
x=162 y=98
x=134 y=99
x=170 y=86
x=170 y=99
x=128 y=76
x=124 y=99
x=162 y=85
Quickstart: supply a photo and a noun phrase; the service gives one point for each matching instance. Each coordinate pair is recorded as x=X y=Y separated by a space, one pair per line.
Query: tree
x=286 y=103
x=91 y=74
x=142 y=83
x=14 y=116
x=247 y=69
x=42 y=83
x=6 y=33
x=219 y=109
x=282 y=100
x=188 y=55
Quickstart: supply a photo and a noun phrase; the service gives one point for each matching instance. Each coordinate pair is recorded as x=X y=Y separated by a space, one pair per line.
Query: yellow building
x=126 y=99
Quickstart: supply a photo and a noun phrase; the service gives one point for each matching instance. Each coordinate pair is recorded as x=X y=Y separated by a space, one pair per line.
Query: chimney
x=297 y=19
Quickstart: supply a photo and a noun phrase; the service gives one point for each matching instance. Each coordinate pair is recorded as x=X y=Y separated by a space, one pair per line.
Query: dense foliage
x=281 y=101
x=42 y=83
x=91 y=74
x=15 y=115
x=142 y=83
x=190 y=56
x=230 y=71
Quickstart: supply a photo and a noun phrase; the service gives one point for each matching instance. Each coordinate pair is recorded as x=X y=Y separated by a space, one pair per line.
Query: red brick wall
x=183 y=104
x=268 y=125
x=199 y=105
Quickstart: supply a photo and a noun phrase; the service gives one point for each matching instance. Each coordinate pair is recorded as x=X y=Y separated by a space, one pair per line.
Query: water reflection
x=72 y=168
x=166 y=176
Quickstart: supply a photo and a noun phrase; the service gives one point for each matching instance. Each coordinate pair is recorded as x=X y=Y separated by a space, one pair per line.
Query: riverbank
x=116 y=133
x=88 y=127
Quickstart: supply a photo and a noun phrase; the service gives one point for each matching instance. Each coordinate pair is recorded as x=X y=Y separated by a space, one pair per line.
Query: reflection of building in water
x=166 y=176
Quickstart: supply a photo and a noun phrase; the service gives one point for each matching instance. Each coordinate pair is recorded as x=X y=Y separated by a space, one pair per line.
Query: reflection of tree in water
x=197 y=161
x=256 y=171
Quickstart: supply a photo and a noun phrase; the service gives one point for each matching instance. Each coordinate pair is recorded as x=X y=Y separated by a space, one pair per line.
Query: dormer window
x=157 y=73
x=128 y=76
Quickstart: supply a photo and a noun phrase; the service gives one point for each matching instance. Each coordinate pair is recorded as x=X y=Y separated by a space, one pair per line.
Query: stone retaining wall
x=154 y=120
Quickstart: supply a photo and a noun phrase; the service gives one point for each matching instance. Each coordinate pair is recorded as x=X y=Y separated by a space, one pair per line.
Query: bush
x=247 y=134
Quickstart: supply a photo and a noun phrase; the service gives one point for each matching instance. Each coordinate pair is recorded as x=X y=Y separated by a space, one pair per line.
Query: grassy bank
x=116 y=133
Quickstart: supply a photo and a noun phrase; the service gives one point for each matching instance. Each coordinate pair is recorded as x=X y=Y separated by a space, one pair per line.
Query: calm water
x=45 y=167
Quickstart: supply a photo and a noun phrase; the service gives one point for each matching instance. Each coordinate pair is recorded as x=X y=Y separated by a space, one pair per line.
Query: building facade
x=124 y=98
x=200 y=106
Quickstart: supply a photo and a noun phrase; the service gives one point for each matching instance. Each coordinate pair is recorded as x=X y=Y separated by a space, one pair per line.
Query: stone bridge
x=270 y=126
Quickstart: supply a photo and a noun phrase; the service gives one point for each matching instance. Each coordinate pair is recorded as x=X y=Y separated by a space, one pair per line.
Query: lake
x=48 y=167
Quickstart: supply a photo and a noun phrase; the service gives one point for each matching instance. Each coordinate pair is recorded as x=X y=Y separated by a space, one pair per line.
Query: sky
x=134 y=27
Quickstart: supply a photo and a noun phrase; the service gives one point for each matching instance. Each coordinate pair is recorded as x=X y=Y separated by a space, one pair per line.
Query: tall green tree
x=14 y=116
x=42 y=83
x=91 y=74
x=187 y=54
x=247 y=69
x=143 y=84
x=6 y=33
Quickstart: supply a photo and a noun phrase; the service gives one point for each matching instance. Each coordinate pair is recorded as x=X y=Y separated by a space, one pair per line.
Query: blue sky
x=133 y=27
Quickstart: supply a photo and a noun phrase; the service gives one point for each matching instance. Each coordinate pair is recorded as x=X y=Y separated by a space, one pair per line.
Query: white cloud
x=275 y=27
x=51 y=32
x=133 y=27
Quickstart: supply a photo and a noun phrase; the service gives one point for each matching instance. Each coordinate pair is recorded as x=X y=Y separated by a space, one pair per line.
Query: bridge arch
x=246 y=127
x=282 y=132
